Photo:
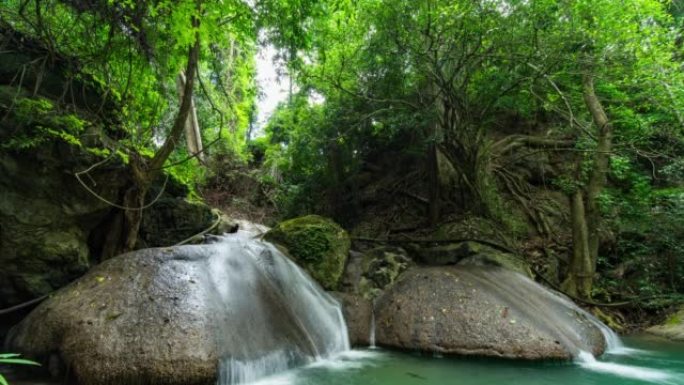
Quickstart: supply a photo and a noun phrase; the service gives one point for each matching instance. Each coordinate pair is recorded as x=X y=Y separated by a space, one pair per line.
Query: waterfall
x=371 y=337
x=274 y=316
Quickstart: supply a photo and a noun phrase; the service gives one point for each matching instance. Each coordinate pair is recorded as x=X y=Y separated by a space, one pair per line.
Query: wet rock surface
x=358 y=316
x=171 y=315
x=483 y=311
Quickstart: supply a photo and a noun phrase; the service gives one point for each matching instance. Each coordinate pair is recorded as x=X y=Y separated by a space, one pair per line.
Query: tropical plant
x=13 y=359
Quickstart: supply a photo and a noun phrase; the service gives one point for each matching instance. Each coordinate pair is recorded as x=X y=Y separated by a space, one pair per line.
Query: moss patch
x=675 y=319
x=317 y=244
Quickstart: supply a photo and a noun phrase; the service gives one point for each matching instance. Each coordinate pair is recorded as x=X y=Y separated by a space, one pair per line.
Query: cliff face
x=46 y=218
x=54 y=124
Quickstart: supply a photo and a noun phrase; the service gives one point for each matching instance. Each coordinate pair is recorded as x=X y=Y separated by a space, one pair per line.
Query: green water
x=655 y=362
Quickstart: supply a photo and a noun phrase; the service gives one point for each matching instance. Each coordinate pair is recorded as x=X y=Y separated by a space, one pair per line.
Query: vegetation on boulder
x=317 y=244
x=672 y=327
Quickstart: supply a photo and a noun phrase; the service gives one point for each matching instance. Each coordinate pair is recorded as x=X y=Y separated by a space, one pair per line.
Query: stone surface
x=317 y=244
x=473 y=253
x=174 y=219
x=46 y=218
x=483 y=311
x=672 y=328
x=358 y=316
x=381 y=267
x=185 y=315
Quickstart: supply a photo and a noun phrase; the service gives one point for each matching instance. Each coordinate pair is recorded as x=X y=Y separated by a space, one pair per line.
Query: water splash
x=274 y=316
x=588 y=361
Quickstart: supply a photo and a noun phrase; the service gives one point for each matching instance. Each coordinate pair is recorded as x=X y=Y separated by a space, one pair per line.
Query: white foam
x=587 y=361
x=286 y=378
x=351 y=359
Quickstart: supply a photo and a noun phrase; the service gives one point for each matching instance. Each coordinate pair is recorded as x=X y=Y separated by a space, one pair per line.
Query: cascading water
x=274 y=315
x=614 y=346
x=572 y=329
x=371 y=337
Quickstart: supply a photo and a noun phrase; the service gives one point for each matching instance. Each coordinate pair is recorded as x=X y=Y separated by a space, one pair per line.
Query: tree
x=138 y=48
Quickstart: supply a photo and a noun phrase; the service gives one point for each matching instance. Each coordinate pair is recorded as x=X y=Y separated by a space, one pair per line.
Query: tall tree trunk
x=433 y=184
x=581 y=271
x=586 y=218
x=193 y=137
x=145 y=173
x=601 y=161
x=434 y=137
x=336 y=170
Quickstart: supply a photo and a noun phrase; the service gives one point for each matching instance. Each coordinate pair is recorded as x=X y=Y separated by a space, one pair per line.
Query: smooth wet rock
x=317 y=244
x=672 y=328
x=358 y=316
x=171 y=315
x=483 y=311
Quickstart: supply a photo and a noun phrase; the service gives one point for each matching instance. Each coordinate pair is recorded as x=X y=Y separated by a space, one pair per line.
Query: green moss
x=318 y=244
x=675 y=319
x=36 y=120
x=380 y=268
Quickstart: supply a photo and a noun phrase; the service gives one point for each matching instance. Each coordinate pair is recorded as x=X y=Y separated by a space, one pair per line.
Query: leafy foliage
x=12 y=359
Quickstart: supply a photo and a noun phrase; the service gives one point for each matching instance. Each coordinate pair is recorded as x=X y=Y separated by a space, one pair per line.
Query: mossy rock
x=317 y=244
x=672 y=328
x=472 y=253
x=380 y=269
x=483 y=255
x=172 y=220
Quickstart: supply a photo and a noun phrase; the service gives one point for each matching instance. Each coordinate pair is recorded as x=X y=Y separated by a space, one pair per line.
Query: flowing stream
x=649 y=362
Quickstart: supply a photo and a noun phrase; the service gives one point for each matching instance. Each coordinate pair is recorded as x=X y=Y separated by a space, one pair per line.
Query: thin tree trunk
x=433 y=184
x=144 y=173
x=586 y=218
x=580 y=274
x=601 y=161
x=193 y=137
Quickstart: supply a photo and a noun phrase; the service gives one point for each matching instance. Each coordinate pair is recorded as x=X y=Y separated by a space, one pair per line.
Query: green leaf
x=3 y=381
x=18 y=361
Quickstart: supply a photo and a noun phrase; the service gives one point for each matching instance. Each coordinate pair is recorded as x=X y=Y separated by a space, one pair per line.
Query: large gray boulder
x=483 y=311
x=237 y=308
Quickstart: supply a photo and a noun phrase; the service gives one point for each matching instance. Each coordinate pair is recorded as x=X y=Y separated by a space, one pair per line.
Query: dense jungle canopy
x=551 y=127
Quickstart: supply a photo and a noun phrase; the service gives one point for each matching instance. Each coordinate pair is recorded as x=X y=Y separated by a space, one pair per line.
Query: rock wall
x=51 y=228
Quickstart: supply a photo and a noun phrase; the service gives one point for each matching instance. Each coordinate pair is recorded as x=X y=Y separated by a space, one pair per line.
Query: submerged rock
x=483 y=311
x=237 y=309
x=672 y=328
x=317 y=244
